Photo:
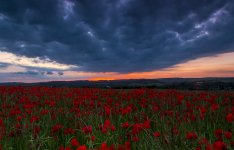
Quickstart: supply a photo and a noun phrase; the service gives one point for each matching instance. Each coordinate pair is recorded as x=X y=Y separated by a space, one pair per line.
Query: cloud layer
x=122 y=36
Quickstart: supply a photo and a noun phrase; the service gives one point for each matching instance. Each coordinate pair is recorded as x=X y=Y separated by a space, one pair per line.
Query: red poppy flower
x=125 y=125
x=218 y=133
x=107 y=124
x=69 y=131
x=156 y=134
x=87 y=129
x=104 y=146
x=113 y=128
x=209 y=147
x=214 y=107
x=198 y=148
x=34 y=119
x=56 y=128
x=107 y=110
x=36 y=129
x=228 y=135
x=230 y=118
x=104 y=130
x=155 y=108
x=191 y=135
x=135 y=139
x=74 y=142
x=203 y=141
x=136 y=128
x=93 y=138
x=146 y=124
x=83 y=147
x=66 y=148
x=219 y=145
x=1 y=122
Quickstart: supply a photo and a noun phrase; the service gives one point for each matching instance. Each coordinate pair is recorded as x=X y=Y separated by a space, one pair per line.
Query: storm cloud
x=118 y=35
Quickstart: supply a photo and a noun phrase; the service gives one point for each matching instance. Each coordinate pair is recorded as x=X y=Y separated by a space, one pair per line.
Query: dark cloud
x=60 y=73
x=49 y=73
x=37 y=72
x=118 y=35
x=29 y=73
x=3 y=65
x=32 y=71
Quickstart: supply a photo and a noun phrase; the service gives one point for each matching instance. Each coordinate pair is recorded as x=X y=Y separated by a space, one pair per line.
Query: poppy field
x=34 y=118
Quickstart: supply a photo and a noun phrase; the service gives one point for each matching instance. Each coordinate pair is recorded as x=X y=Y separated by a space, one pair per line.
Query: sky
x=50 y=40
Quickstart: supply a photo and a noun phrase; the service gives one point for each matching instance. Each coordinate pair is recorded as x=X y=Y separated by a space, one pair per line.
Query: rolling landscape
x=164 y=83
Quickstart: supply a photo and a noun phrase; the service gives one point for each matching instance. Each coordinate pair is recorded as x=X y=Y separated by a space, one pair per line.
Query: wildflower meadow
x=35 y=118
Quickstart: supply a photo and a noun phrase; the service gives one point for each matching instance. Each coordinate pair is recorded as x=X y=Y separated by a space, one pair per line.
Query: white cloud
x=90 y=34
x=204 y=28
x=177 y=35
x=2 y=17
x=10 y=58
x=122 y=3
x=12 y=69
x=219 y=16
x=68 y=9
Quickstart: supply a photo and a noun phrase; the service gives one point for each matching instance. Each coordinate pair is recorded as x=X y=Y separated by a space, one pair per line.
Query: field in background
x=106 y=119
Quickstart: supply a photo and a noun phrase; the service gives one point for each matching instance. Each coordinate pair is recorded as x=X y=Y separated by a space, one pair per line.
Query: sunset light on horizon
x=198 y=68
x=215 y=66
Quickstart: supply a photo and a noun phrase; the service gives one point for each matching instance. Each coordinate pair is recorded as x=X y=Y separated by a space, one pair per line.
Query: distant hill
x=163 y=83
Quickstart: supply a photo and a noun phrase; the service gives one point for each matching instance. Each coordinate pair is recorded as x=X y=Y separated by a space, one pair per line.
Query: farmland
x=115 y=119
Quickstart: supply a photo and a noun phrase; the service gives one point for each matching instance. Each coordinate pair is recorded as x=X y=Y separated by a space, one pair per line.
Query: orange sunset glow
x=216 y=66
